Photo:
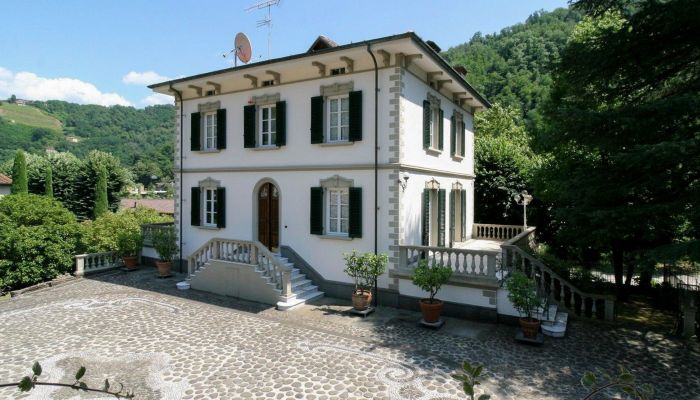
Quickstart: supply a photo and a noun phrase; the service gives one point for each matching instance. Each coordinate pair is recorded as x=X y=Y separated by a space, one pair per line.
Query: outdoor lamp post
x=523 y=198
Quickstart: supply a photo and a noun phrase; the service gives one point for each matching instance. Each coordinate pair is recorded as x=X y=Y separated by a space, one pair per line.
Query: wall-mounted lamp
x=403 y=183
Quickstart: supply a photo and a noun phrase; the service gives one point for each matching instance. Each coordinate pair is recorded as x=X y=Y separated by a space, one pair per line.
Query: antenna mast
x=267 y=21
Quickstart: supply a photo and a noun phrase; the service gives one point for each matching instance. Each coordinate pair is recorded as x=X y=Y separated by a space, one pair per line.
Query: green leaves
x=36 y=368
x=588 y=380
x=431 y=278
x=470 y=379
x=624 y=381
x=364 y=268
x=80 y=373
x=26 y=384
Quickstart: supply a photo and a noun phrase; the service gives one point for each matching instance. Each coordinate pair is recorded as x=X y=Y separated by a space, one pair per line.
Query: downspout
x=178 y=94
x=376 y=156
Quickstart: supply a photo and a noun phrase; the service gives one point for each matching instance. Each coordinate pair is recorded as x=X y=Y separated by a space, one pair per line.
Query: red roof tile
x=163 y=206
x=5 y=180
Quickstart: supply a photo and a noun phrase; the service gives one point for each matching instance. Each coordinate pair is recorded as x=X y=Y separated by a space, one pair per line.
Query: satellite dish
x=243 y=48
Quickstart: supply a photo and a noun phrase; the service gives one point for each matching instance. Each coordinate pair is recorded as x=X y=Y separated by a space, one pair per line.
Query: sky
x=107 y=52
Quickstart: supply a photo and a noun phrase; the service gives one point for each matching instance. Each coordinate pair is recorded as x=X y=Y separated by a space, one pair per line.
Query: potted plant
x=164 y=241
x=356 y=269
x=522 y=293
x=430 y=279
x=129 y=243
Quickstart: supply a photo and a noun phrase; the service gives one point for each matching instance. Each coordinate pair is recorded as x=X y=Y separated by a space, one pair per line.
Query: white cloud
x=143 y=78
x=157 y=98
x=27 y=85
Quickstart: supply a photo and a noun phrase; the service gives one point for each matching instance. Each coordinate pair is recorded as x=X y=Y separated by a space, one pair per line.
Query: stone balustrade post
x=689 y=311
x=609 y=309
x=403 y=257
x=286 y=284
x=80 y=265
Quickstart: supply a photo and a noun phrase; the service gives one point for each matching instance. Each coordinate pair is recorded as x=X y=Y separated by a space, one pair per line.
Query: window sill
x=209 y=151
x=336 y=237
x=263 y=148
x=331 y=144
x=433 y=151
x=209 y=228
x=457 y=157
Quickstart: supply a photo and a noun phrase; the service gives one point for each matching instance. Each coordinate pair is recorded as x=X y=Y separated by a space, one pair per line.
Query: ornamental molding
x=337 y=181
x=266 y=99
x=434 y=100
x=210 y=106
x=457 y=186
x=432 y=184
x=210 y=183
x=337 y=89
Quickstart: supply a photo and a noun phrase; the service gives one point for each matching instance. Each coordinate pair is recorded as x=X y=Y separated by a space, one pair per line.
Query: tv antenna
x=267 y=21
x=242 y=49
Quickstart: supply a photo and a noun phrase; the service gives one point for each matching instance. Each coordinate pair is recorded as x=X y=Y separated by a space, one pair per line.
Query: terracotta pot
x=130 y=262
x=164 y=267
x=361 y=299
x=431 y=311
x=530 y=327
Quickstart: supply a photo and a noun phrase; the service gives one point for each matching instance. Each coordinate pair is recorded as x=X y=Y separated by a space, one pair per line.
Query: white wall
x=5 y=190
x=454 y=294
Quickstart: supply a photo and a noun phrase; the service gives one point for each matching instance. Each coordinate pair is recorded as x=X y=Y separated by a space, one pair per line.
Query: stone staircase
x=303 y=289
x=553 y=320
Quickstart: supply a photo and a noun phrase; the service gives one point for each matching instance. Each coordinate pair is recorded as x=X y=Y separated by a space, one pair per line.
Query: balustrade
x=94 y=262
x=495 y=232
x=463 y=262
x=148 y=230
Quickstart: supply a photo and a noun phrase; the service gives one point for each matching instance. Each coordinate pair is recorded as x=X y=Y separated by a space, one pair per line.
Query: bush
x=101 y=234
x=522 y=292
x=431 y=278
x=165 y=243
x=129 y=243
x=38 y=239
x=364 y=269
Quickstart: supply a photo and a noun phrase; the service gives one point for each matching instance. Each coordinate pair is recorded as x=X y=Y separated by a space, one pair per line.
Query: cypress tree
x=49 y=182
x=101 y=205
x=19 y=174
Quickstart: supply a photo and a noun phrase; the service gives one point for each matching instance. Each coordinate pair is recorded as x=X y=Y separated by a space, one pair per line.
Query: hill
x=512 y=67
x=141 y=139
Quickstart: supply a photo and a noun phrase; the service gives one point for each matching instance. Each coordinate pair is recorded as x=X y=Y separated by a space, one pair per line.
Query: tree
x=49 y=182
x=101 y=205
x=623 y=154
x=19 y=174
x=13 y=99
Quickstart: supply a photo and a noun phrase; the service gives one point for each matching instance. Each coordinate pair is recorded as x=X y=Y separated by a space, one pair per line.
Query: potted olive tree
x=430 y=279
x=522 y=293
x=364 y=270
x=129 y=243
x=164 y=241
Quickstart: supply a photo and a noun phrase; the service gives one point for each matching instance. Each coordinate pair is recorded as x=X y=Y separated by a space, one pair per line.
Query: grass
x=28 y=115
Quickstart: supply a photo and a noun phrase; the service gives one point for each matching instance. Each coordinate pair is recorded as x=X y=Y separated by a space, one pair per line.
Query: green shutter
x=441 y=128
x=316 y=215
x=221 y=128
x=425 y=228
x=427 y=115
x=441 y=218
x=463 y=200
x=464 y=139
x=281 y=134
x=355 y=213
x=195 y=132
x=249 y=126
x=195 y=207
x=452 y=217
x=317 y=119
x=221 y=207
x=453 y=136
x=355 y=100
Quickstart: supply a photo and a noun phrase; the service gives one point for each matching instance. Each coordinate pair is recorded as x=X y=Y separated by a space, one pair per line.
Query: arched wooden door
x=268 y=216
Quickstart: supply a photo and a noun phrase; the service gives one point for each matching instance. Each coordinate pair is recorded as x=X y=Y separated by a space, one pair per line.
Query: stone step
x=543 y=315
x=557 y=327
x=298 y=300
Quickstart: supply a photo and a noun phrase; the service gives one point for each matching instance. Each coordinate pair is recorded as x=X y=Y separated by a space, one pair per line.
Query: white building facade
x=366 y=147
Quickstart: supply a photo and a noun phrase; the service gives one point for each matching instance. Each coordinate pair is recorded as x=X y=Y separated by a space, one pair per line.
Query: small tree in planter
x=164 y=241
x=363 y=269
x=522 y=293
x=129 y=243
x=430 y=279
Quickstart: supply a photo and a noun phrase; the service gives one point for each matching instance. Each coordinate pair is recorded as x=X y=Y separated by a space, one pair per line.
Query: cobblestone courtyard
x=169 y=344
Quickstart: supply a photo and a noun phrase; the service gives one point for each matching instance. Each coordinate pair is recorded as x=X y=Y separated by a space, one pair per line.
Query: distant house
x=163 y=206
x=21 y=102
x=5 y=185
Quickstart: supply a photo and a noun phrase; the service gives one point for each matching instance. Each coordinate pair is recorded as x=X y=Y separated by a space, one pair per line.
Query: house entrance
x=268 y=216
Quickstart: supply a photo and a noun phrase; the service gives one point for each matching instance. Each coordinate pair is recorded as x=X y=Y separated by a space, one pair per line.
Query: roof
x=163 y=206
x=317 y=49
x=5 y=180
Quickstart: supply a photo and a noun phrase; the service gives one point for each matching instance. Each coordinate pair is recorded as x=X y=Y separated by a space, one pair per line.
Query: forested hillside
x=142 y=139
x=513 y=67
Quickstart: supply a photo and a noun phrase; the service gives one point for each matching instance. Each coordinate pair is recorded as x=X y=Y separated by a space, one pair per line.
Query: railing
x=557 y=288
x=148 y=230
x=464 y=263
x=495 y=232
x=95 y=262
x=244 y=252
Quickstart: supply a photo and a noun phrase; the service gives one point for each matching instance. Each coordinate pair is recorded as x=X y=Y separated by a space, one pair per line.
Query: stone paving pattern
x=164 y=343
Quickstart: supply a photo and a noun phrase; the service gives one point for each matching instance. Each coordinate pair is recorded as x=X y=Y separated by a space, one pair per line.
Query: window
x=338 y=118
x=457 y=135
x=433 y=117
x=209 y=207
x=268 y=125
x=433 y=215
x=458 y=213
x=338 y=71
x=336 y=115
x=208 y=204
x=210 y=131
x=338 y=210
x=270 y=82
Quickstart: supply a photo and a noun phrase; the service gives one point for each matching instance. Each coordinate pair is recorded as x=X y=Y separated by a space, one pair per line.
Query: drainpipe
x=178 y=94
x=376 y=156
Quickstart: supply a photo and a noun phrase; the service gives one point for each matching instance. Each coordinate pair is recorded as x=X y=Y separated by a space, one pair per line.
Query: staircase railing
x=148 y=230
x=495 y=231
x=244 y=252
x=560 y=290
